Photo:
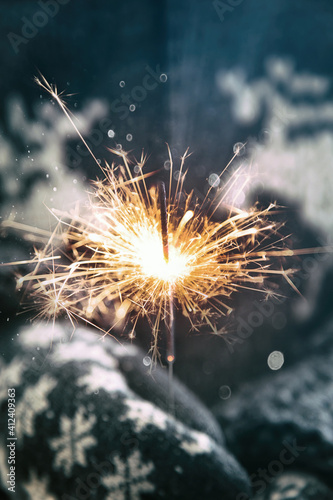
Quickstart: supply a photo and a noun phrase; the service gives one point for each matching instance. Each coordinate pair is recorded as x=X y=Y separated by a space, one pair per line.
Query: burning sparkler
x=141 y=251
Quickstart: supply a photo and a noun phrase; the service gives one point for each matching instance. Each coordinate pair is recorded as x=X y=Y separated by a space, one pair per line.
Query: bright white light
x=152 y=262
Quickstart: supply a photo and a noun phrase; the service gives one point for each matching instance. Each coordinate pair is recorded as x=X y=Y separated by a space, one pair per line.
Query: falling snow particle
x=181 y=197
x=111 y=133
x=275 y=360
x=132 y=107
x=122 y=84
x=129 y=137
x=224 y=392
x=214 y=180
x=239 y=148
x=163 y=77
x=146 y=361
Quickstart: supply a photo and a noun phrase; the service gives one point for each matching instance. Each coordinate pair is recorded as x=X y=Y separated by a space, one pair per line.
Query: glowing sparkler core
x=153 y=263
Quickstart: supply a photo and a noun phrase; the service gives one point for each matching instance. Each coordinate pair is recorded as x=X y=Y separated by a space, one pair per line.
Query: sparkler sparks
x=141 y=252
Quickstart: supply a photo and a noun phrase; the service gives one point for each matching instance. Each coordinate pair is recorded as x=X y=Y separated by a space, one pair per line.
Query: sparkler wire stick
x=169 y=319
x=171 y=347
x=164 y=219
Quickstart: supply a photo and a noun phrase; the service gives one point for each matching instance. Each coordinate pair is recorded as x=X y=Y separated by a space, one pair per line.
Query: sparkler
x=140 y=251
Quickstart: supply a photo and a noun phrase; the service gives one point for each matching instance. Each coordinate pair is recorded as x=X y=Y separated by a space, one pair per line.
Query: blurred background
x=200 y=75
